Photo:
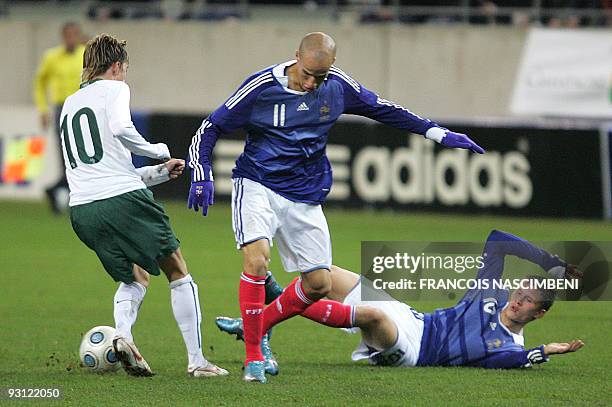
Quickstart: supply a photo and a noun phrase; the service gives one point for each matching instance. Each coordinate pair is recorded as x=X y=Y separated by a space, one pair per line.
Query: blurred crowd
x=553 y=13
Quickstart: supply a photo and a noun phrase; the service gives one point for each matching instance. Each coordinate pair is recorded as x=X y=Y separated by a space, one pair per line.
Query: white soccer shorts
x=409 y=327
x=299 y=229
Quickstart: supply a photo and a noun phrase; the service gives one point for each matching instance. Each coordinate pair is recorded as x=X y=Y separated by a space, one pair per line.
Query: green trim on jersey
x=89 y=82
x=127 y=229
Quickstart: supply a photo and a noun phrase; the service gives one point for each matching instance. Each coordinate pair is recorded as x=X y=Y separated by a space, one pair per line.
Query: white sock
x=186 y=309
x=125 y=308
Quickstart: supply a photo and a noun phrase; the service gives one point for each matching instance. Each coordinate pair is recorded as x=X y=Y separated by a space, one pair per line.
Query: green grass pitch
x=54 y=289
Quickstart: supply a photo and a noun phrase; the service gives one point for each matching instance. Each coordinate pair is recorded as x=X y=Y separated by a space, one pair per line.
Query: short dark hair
x=547 y=295
x=70 y=24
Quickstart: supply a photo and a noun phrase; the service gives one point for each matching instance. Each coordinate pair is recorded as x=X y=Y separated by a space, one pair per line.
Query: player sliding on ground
x=485 y=328
x=114 y=213
x=283 y=176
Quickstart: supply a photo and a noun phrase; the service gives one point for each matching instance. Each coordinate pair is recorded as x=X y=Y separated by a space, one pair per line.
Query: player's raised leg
x=294 y=300
x=343 y=309
x=251 y=297
x=343 y=281
x=304 y=245
x=377 y=329
x=323 y=311
x=186 y=310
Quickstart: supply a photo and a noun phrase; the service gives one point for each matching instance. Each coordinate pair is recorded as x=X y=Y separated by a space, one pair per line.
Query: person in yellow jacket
x=58 y=76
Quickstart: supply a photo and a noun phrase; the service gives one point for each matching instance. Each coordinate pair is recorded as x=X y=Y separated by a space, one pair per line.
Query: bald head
x=319 y=46
x=314 y=59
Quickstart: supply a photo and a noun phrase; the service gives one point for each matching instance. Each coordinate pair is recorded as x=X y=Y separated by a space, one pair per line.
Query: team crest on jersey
x=494 y=344
x=324 y=112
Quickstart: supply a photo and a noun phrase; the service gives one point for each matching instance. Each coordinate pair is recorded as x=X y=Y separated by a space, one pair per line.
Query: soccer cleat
x=270 y=364
x=209 y=370
x=132 y=361
x=255 y=372
x=273 y=289
x=232 y=326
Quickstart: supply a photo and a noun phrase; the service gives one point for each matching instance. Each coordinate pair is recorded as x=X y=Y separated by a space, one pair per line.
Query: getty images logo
x=451 y=176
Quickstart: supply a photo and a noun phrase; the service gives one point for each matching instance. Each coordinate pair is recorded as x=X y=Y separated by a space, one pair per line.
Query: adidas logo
x=303 y=106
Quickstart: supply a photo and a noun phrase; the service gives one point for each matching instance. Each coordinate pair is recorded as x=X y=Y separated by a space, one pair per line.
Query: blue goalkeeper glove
x=458 y=140
x=201 y=194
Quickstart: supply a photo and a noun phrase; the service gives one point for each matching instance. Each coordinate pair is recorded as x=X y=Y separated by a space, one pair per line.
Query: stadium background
x=546 y=177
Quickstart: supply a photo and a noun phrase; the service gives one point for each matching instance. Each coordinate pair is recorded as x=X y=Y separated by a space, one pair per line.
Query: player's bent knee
x=317 y=284
x=173 y=266
x=256 y=265
x=256 y=257
x=143 y=279
x=369 y=317
x=318 y=292
x=141 y=276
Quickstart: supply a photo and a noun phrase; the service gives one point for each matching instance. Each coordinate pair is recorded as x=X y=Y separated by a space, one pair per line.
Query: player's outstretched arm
x=451 y=139
x=157 y=174
x=561 y=348
x=514 y=359
x=500 y=244
x=529 y=357
x=361 y=101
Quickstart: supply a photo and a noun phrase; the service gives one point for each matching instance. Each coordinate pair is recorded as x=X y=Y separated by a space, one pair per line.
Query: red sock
x=291 y=302
x=330 y=313
x=251 y=296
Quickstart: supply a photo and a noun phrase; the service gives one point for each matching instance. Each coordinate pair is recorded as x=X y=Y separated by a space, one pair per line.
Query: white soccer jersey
x=97 y=137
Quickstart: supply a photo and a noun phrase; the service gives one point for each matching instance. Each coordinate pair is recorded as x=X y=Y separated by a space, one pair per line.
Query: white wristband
x=436 y=134
x=154 y=174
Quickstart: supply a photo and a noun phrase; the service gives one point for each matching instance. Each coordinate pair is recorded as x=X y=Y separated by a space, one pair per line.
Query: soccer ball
x=96 y=351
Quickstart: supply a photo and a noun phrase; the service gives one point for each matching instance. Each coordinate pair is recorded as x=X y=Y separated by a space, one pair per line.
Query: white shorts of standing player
x=299 y=229
x=408 y=321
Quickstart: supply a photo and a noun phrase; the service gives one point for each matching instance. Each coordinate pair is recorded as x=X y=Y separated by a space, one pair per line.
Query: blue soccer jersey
x=287 y=130
x=471 y=333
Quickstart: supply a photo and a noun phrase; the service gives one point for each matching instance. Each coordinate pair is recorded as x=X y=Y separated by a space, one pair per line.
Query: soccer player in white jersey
x=484 y=329
x=283 y=177
x=113 y=212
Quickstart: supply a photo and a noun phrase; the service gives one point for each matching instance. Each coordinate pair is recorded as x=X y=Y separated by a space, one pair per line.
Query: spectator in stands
x=606 y=18
x=563 y=13
x=491 y=12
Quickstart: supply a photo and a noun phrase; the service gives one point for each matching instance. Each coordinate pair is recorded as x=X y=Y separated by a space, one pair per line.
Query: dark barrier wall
x=526 y=171
x=176 y=131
